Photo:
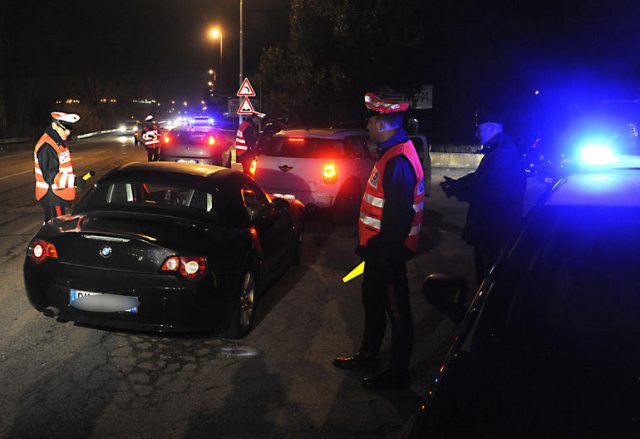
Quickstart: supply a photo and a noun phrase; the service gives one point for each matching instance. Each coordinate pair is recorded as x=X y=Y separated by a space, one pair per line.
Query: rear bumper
x=167 y=303
x=309 y=198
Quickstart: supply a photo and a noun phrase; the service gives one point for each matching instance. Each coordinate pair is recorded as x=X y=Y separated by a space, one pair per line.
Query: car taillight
x=329 y=174
x=211 y=140
x=253 y=166
x=189 y=267
x=167 y=139
x=40 y=250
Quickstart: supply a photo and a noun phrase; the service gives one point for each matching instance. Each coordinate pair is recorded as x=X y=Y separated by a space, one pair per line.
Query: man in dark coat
x=494 y=192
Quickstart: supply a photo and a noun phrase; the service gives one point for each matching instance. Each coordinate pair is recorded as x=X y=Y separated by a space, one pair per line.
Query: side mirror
x=447 y=294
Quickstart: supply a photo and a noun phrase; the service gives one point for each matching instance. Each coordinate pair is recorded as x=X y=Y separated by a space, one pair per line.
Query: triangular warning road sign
x=245 y=107
x=246 y=89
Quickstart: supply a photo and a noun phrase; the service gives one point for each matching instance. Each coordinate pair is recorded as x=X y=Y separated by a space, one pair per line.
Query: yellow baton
x=357 y=271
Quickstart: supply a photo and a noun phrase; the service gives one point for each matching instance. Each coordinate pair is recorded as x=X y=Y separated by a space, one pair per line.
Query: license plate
x=187 y=161
x=77 y=294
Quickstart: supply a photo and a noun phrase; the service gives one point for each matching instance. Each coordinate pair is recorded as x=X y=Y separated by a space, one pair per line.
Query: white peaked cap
x=65 y=117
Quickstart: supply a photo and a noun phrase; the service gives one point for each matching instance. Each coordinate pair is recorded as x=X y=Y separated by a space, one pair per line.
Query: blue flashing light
x=597 y=154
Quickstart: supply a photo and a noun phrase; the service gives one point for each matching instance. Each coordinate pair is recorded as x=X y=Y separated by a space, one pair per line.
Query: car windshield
x=569 y=288
x=150 y=196
x=311 y=147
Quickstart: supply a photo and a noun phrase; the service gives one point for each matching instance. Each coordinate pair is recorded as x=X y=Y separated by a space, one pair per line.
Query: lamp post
x=216 y=34
x=240 y=78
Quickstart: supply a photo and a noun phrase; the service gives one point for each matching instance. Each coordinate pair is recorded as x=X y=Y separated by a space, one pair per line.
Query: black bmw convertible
x=164 y=247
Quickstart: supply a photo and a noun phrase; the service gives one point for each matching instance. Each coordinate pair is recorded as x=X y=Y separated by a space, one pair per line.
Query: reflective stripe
x=369 y=221
x=151 y=142
x=66 y=169
x=244 y=148
x=418 y=207
x=38 y=171
x=42 y=184
x=63 y=180
x=415 y=230
x=71 y=182
x=373 y=200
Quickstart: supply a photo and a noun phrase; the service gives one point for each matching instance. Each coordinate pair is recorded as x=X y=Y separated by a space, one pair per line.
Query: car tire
x=346 y=208
x=243 y=306
x=297 y=250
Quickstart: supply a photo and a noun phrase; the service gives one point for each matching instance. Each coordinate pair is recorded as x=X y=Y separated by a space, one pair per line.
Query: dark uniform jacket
x=495 y=193
x=49 y=163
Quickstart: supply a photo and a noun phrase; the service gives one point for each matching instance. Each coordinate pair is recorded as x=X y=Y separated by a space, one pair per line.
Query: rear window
x=311 y=147
x=117 y=195
x=196 y=135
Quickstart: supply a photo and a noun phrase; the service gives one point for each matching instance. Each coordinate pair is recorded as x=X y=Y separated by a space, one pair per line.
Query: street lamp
x=216 y=34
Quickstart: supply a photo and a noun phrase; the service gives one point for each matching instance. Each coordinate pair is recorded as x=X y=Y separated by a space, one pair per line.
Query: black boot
x=359 y=361
x=387 y=380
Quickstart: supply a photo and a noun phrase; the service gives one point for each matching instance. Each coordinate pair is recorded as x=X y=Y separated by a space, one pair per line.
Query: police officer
x=151 y=137
x=391 y=213
x=495 y=192
x=247 y=139
x=55 y=179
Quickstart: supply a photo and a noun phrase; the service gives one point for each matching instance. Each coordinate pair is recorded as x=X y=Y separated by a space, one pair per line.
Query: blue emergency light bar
x=597 y=154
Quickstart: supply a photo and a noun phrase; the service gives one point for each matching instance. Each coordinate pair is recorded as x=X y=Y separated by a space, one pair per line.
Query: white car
x=323 y=168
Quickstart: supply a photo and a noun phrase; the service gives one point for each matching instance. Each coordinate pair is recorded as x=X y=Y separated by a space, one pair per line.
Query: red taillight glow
x=211 y=140
x=189 y=267
x=167 y=139
x=40 y=250
x=253 y=166
x=296 y=139
x=329 y=173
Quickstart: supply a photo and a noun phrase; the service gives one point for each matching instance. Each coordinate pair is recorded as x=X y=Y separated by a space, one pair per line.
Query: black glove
x=449 y=186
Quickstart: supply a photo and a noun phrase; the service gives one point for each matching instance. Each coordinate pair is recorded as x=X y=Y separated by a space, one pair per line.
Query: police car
x=550 y=345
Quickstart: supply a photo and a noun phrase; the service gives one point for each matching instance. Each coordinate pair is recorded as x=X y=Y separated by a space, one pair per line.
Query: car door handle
x=285 y=168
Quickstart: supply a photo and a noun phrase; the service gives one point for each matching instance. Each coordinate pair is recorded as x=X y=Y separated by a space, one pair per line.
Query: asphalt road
x=62 y=380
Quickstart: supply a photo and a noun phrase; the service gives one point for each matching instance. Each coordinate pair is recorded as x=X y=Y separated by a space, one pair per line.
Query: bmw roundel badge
x=105 y=251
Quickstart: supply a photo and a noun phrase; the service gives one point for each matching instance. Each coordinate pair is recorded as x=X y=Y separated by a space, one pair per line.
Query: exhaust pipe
x=51 y=311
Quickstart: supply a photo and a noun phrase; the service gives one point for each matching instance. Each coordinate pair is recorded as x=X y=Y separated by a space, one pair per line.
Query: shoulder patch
x=373 y=179
x=421 y=187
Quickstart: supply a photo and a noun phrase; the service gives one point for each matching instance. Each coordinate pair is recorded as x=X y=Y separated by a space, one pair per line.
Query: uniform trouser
x=152 y=154
x=386 y=289
x=52 y=212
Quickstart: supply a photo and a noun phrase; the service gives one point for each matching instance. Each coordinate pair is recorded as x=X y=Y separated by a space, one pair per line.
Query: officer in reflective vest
x=247 y=139
x=391 y=214
x=55 y=179
x=151 y=137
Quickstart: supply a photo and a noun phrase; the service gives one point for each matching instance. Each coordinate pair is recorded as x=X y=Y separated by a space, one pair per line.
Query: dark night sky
x=472 y=49
x=161 y=41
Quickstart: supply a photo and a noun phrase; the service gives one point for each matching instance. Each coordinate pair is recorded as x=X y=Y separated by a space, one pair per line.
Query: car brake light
x=189 y=267
x=253 y=166
x=211 y=140
x=167 y=139
x=40 y=250
x=329 y=174
x=296 y=139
